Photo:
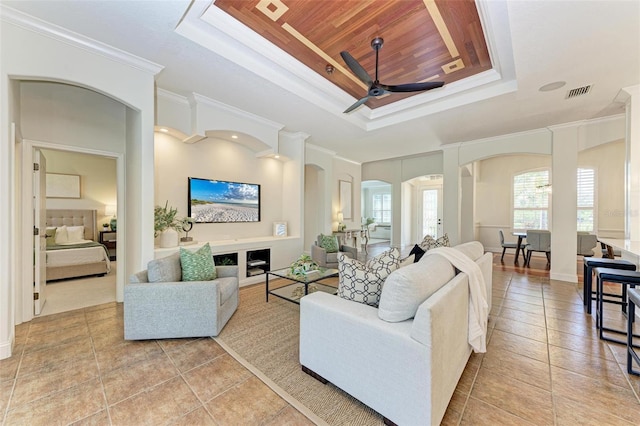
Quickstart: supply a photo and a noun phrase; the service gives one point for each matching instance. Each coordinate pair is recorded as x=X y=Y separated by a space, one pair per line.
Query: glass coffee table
x=301 y=285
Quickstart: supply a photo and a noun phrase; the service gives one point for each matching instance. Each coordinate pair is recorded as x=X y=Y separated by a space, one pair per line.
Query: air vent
x=578 y=91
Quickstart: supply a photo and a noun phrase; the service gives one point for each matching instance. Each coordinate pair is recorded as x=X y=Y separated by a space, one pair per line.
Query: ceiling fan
x=375 y=87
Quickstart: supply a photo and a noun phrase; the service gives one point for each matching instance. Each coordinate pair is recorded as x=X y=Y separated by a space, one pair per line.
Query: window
x=586 y=199
x=531 y=200
x=382 y=208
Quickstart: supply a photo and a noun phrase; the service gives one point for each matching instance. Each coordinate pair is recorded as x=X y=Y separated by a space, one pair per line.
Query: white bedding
x=78 y=256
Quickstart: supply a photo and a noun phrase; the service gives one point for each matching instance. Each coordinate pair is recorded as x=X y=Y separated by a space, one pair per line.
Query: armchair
x=330 y=260
x=174 y=309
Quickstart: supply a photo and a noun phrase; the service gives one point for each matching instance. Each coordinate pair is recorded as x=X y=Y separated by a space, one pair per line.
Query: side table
x=109 y=240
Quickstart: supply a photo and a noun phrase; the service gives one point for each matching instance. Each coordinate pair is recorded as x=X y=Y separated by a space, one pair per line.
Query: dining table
x=521 y=236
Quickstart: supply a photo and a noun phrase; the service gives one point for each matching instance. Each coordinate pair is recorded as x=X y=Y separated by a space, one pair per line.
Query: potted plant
x=105 y=226
x=166 y=225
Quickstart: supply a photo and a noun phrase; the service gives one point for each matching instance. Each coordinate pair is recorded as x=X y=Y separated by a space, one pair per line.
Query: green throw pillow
x=197 y=266
x=51 y=236
x=329 y=243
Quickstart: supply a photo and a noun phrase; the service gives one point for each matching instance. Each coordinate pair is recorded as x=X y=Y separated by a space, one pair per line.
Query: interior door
x=430 y=212
x=39 y=228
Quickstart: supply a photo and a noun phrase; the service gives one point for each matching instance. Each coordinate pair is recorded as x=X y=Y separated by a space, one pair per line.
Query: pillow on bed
x=62 y=236
x=75 y=234
x=51 y=236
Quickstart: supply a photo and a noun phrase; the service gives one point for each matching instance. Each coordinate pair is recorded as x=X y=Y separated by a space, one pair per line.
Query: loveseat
x=171 y=308
x=408 y=370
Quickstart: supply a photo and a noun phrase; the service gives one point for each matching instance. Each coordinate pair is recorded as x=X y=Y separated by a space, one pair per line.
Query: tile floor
x=544 y=365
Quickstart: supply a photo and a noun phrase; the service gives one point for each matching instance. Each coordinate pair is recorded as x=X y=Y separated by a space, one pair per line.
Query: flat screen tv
x=218 y=201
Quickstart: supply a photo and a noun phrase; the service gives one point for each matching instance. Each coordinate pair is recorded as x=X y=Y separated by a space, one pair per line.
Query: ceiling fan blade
x=356 y=68
x=413 y=87
x=356 y=105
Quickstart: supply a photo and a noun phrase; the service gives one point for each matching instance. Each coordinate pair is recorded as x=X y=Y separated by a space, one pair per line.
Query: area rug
x=265 y=335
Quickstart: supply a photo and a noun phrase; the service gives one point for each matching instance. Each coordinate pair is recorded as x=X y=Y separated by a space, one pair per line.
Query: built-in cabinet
x=254 y=256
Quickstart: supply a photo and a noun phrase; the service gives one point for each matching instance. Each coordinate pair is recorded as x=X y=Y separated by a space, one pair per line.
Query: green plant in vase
x=303 y=266
x=165 y=218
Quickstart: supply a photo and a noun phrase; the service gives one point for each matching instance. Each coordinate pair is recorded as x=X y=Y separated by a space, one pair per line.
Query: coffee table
x=301 y=285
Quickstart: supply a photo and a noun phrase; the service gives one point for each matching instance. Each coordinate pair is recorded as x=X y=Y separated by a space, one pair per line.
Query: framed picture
x=346 y=196
x=63 y=186
x=279 y=229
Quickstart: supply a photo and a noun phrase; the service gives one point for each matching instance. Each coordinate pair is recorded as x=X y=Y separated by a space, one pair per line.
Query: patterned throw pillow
x=329 y=243
x=429 y=242
x=197 y=266
x=362 y=282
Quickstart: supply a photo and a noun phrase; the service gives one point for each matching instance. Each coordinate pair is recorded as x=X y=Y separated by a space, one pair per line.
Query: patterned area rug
x=266 y=336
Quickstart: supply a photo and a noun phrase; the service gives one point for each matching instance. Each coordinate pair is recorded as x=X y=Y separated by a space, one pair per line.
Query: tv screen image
x=217 y=201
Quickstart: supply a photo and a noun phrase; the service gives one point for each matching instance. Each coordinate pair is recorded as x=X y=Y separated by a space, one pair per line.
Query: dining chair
x=540 y=241
x=506 y=246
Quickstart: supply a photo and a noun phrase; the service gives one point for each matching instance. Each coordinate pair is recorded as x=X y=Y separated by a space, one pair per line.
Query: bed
x=75 y=252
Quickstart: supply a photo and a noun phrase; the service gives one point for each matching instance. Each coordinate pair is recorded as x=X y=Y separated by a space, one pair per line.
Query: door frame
x=25 y=297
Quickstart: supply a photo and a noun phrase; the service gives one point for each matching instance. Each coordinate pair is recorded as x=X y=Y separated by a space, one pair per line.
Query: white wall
x=494 y=198
x=98 y=182
x=211 y=158
x=56 y=55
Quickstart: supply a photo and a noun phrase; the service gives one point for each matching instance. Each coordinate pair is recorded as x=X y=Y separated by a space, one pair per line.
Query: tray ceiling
x=424 y=40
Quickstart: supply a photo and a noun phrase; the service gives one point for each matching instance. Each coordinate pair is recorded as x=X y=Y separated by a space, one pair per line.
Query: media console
x=254 y=256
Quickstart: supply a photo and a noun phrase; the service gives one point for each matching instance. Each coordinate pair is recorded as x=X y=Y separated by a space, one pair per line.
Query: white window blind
x=531 y=200
x=586 y=199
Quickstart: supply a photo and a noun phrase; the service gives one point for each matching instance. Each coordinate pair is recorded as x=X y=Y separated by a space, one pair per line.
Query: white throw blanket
x=478 y=307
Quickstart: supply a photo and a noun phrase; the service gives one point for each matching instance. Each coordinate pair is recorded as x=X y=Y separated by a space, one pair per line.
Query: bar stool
x=634 y=300
x=598 y=262
x=618 y=276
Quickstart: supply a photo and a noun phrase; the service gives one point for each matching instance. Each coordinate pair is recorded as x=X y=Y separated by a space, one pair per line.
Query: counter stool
x=617 y=276
x=598 y=262
x=634 y=299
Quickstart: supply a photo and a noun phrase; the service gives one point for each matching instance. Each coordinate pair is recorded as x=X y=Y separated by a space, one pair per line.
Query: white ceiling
x=532 y=43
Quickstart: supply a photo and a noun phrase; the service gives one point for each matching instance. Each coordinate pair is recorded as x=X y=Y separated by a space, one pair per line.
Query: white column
x=564 y=165
x=451 y=194
x=631 y=97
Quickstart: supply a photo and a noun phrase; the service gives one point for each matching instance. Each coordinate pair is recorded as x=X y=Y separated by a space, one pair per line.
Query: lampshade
x=340 y=217
x=110 y=210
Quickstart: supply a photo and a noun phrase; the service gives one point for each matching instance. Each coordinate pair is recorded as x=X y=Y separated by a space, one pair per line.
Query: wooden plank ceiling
x=424 y=40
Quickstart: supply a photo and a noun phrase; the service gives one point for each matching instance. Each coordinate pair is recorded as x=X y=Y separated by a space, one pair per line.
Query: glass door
x=430 y=215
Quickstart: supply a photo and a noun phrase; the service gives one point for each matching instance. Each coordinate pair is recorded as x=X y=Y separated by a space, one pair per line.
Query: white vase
x=169 y=238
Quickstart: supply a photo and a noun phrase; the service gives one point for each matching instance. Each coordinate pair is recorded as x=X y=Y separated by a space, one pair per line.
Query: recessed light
x=234 y=136
x=163 y=130
x=552 y=86
x=276 y=156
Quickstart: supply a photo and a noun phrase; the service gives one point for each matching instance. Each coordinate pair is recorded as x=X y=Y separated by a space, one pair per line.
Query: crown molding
x=174 y=97
x=36 y=25
x=196 y=98
x=320 y=149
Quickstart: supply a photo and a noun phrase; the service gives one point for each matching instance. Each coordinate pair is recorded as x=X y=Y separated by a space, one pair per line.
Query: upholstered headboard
x=75 y=217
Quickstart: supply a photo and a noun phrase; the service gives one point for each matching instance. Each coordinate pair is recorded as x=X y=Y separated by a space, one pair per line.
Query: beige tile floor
x=544 y=365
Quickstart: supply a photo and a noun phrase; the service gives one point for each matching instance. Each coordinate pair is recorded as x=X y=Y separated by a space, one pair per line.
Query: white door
x=40 y=230
x=430 y=212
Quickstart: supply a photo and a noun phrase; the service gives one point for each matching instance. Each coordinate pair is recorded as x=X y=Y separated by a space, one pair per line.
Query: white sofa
x=407 y=371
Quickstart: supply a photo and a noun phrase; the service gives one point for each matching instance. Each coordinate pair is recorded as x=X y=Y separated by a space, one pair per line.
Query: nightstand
x=108 y=239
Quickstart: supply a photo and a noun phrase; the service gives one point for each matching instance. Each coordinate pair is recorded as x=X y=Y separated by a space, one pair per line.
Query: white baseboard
x=5 y=347
x=569 y=278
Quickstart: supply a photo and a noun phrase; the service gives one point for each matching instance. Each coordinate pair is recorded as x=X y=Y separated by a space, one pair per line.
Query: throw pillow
x=418 y=251
x=407 y=260
x=429 y=242
x=197 y=266
x=329 y=243
x=51 y=236
x=407 y=288
x=61 y=235
x=362 y=282
x=75 y=234
x=473 y=249
x=166 y=269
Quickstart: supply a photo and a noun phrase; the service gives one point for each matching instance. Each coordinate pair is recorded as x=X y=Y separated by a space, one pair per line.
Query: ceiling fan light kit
x=375 y=87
